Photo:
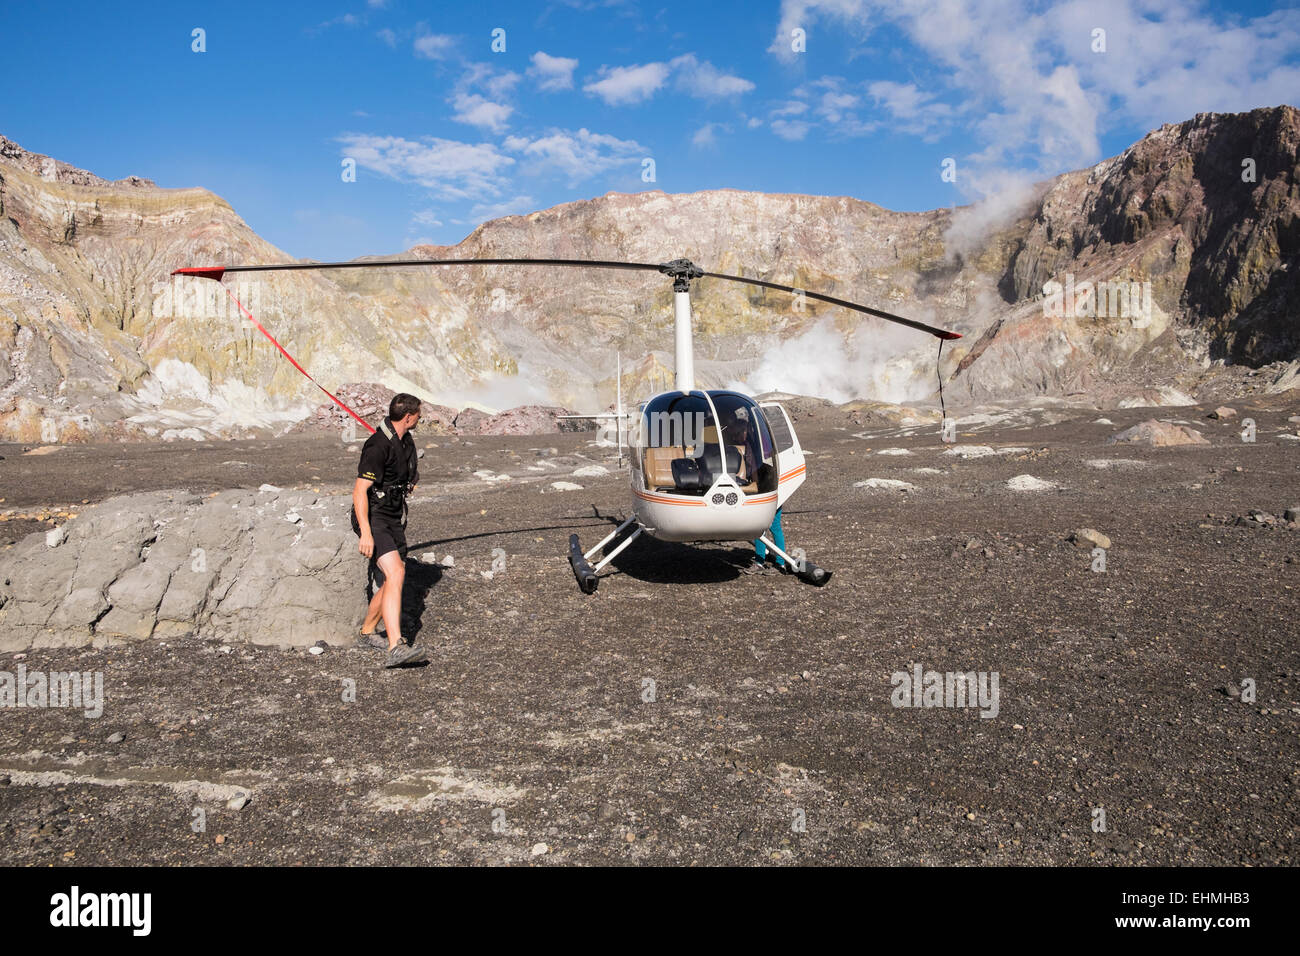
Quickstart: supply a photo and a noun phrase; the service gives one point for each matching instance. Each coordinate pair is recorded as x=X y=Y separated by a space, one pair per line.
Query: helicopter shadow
x=654 y=561
x=421 y=578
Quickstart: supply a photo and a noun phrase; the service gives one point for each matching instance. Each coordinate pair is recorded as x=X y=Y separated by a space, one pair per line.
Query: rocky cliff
x=1177 y=254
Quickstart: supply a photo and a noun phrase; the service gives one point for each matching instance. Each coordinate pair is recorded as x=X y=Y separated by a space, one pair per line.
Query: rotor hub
x=682 y=271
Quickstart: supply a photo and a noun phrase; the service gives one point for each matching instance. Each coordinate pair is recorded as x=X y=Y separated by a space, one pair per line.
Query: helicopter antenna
x=618 y=406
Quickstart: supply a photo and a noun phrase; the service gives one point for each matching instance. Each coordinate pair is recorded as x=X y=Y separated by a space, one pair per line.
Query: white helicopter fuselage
x=732 y=506
x=706 y=465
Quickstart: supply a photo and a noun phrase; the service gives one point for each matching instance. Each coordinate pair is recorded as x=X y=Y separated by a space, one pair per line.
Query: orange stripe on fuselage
x=665 y=500
x=793 y=472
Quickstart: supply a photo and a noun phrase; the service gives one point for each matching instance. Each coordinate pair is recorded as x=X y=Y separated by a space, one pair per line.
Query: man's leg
x=390 y=595
x=778 y=536
x=374 y=588
x=760 y=550
x=374 y=612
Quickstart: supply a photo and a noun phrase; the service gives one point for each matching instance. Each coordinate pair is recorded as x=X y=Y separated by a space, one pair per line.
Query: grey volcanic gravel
x=687 y=713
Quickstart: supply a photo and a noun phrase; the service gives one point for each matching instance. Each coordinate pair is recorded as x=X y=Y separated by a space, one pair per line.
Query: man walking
x=386 y=474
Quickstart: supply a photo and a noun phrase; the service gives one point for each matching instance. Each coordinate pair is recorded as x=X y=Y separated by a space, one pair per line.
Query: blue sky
x=446 y=132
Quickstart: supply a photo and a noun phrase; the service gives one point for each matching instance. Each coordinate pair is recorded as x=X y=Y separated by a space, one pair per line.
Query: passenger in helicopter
x=739 y=436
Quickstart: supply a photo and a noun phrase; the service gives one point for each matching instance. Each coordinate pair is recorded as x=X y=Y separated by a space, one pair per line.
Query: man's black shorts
x=388 y=533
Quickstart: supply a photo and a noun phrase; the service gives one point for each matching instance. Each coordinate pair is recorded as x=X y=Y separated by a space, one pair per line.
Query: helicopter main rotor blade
x=215 y=272
x=888 y=316
x=681 y=270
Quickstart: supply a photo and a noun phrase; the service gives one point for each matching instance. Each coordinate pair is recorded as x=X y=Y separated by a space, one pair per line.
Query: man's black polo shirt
x=391 y=464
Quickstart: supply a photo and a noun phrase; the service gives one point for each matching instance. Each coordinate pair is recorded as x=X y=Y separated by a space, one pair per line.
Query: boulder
x=885 y=484
x=370 y=400
x=523 y=420
x=471 y=421
x=1030 y=483
x=167 y=563
x=1088 y=538
x=1158 y=434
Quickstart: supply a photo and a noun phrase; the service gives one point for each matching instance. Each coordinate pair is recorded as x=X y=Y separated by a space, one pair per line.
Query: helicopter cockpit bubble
x=687 y=441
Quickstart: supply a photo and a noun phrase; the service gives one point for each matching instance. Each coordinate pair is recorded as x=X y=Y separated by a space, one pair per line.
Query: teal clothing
x=778 y=536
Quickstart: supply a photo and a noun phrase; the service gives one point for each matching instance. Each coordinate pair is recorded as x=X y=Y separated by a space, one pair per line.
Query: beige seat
x=659 y=466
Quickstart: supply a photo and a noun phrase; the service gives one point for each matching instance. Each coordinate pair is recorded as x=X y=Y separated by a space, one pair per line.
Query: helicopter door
x=789 y=456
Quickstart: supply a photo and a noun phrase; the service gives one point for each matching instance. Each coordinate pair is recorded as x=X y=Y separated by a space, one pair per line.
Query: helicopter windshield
x=687 y=447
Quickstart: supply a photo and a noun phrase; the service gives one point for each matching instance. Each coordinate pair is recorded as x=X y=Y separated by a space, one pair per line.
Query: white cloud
x=621 y=85
x=792 y=130
x=450 y=169
x=477 y=111
x=388 y=36
x=346 y=20
x=554 y=73
x=1042 y=96
x=517 y=206
x=799 y=14
x=706 y=135
x=628 y=84
x=1035 y=98
x=434 y=46
x=782 y=121
x=577 y=155
x=497 y=84
x=911 y=109
x=703 y=80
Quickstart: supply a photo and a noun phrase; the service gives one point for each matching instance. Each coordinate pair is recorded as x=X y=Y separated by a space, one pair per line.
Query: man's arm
x=361 y=505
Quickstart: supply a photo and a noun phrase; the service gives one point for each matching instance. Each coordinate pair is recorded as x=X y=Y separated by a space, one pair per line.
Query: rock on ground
x=1158 y=434
x=885 y=484
x=524 y=420
x=1087 y=537
x=169 y=563
x=370 y=400
x=1029 y=483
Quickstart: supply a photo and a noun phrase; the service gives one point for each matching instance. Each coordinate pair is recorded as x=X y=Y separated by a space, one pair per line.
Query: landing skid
x=587 y=573
x=583 y=569
x=804 y=568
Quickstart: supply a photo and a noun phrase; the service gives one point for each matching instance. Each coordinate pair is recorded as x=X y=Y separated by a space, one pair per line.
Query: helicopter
x=706 y=465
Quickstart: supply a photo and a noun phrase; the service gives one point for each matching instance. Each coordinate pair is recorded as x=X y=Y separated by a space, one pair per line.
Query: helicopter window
x=672 y=429
x=686 y=449
x=781 y=431
x=676 y=420
x=747 y=441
